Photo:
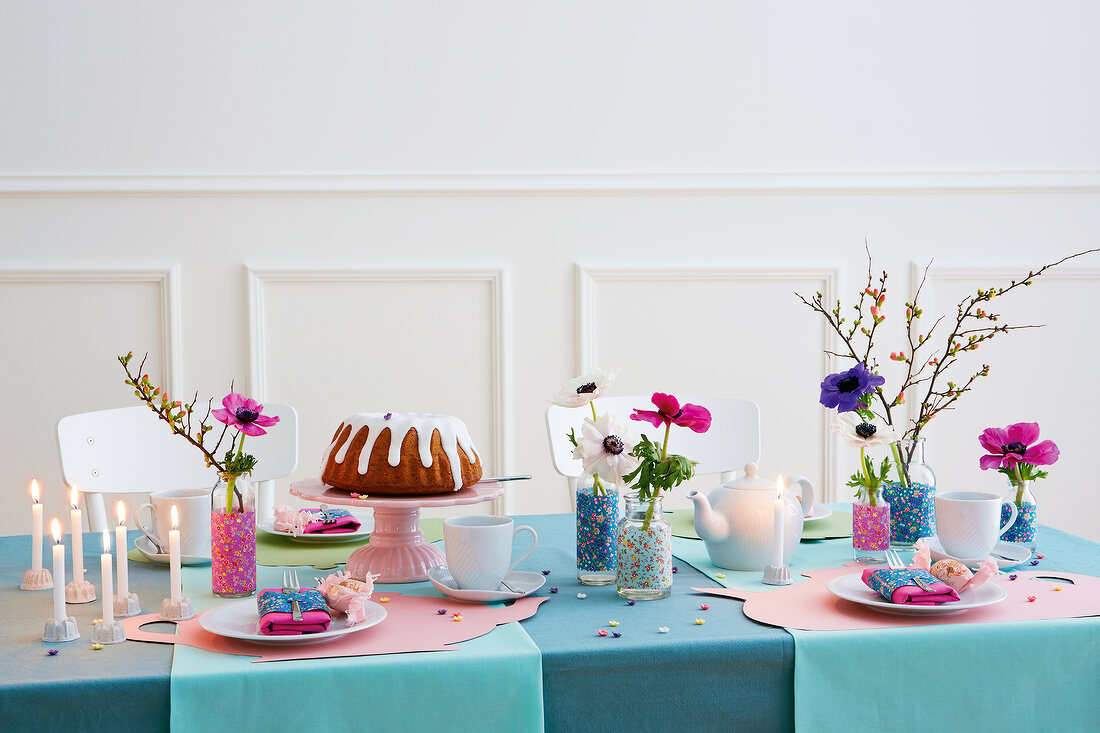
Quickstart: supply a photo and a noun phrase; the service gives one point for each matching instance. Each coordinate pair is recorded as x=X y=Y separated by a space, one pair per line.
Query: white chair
x=732 y=441
x=131 y=450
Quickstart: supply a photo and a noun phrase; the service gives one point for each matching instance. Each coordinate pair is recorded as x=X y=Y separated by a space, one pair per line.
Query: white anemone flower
x=863 y=433
x=579 y=391
x=604 y=448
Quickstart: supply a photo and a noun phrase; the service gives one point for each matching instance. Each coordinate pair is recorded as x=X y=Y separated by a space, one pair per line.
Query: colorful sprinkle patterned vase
x=870 y=526
x=597 y=534
x=1022 y=531
x=644 y=551
x=912 y=507
x=233 y=537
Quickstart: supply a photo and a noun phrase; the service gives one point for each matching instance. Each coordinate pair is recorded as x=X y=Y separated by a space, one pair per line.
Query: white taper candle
x=777 y=532
x=108 y=583
x=120 y=550
x=174 y=558
x=58 y=572
x=36 y=528
x=76 y=528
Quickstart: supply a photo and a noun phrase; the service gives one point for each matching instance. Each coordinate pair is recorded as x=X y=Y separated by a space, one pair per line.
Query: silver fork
x=893 y=560
x=290 y=578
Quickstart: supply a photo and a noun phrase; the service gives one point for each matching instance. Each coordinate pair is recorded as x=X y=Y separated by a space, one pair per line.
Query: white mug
x=479 y=549
x=968 y=523
x=193 y=507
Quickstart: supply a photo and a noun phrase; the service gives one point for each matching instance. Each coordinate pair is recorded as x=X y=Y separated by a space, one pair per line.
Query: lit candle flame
x=55 y=528
x=74 y=498
x=175 y=517
x=34 y=490
x=106 y=542
x=121 y=513
x=779 y=486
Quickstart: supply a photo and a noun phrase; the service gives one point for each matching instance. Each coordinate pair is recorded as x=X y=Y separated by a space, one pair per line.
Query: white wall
x=455 y=207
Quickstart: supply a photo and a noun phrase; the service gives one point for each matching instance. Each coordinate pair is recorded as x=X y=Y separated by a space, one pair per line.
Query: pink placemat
x=412 y=624
x=810 y=606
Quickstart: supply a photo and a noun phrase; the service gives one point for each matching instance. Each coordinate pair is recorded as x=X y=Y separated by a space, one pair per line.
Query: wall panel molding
x=167 y=278
x=840 y=182
x=589 y=279
x=499 y=281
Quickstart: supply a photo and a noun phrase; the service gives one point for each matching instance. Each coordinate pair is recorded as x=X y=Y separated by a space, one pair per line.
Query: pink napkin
x=329 y=521
x=897 y=586
x=276 y=613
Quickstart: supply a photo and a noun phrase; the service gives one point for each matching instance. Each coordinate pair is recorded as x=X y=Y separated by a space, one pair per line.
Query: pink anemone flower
x=244 y=414
x=694 y=417
x=1014 y=445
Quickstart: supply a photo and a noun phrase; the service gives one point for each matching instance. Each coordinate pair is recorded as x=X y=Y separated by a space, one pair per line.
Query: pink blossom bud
x=874 y=311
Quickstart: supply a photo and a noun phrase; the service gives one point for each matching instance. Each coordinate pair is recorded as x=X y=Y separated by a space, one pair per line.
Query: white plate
x=145 y=546
x=820 y=512
x=1006 y=554
x=241 y=620
x=524 y=582
x=366 y=524
x=852 y=588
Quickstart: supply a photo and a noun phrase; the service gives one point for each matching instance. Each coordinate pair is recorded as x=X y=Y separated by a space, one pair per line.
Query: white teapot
x=736 y=521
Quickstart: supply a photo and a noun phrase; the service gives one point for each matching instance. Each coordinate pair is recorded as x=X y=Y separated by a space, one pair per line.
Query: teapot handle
x=807 y=493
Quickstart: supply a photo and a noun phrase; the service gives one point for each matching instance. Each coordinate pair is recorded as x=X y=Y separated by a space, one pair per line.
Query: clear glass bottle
x=912 y=499
x=597 y=533
x=1022 y=531
x=644 y=551
x=233 y=537
x=870 y=526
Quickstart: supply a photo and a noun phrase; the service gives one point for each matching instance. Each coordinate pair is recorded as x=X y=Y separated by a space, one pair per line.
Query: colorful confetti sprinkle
x=1040 y=556
x=602 y=632
x=1057 y=587
x=1034 y=562
x=699 y=622
x=616 y=634
x=612 y=623
x=704 y=606
x=456 y=617
x=662 y=629
x=675 y=568
x=553 y=590
x=97 y=646
x=631 y=603
x=582 y=596
x=442 y=611
x=719 y=575
x=545 y=572
x=52 y=652
x=1013 y=576
x=384 y=599
x=1031 y=599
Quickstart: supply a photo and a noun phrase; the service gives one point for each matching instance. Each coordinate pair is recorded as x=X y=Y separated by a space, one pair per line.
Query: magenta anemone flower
x=694 y=417
x=1015 y=445
x=843 y=390
x=244 y=414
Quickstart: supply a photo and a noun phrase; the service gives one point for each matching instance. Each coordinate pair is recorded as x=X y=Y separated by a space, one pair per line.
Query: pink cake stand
x=397 y=551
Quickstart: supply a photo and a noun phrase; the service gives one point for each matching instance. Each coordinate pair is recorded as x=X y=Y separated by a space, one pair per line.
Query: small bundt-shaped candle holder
x=777 y=575
x=108 y=633
x=176 y=610
x=63 y=630
x=127 y=605
x=36 y=580
x=79 y=591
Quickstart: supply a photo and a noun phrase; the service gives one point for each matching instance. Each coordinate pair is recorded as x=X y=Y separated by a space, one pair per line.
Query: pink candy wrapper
x=289 y=520
x=347 y=595
x=953 y=572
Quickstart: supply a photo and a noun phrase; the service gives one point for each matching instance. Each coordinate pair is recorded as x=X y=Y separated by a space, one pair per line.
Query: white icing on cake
x=453 y=436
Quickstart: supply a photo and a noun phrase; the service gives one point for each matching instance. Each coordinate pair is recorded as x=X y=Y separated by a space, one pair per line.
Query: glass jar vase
x=644 y=551
x=597 y=533
x=233 y=537
x=870 y=526
x=912 y=497
x=1022 y=531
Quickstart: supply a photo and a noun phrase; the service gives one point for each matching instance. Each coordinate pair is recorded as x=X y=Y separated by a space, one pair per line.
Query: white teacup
x=968 y=522
x=193 y=507
x=479 y=549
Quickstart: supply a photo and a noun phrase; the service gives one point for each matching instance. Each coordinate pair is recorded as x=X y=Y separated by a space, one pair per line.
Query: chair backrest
x=732 y=441
x=131 y=450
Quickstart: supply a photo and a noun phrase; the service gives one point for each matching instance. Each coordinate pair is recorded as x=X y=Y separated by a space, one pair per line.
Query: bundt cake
x=401 y=454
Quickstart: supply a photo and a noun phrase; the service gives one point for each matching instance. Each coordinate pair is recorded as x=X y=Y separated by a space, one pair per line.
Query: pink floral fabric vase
x=870 y=526
x=233 y=537
x=644 y=551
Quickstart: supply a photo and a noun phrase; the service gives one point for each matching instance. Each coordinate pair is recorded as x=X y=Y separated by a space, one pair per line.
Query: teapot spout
x=709 y=525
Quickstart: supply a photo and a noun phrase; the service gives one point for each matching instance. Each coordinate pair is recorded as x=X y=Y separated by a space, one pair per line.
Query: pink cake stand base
x=397 y=551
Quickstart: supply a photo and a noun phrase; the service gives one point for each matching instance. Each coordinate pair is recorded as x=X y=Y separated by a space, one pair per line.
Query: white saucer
x=145 y=546
x=366 y=524
x=241 y=620
x=1006 y=554
x=852 y=588
x=524 y=582
x=820 y=512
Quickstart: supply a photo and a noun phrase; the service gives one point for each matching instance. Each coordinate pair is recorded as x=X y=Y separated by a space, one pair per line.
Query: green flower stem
x=597 y=485
x=232 y=484
x=1019 y=484
x=897 y=463
x=866 y=478
x=653 y=500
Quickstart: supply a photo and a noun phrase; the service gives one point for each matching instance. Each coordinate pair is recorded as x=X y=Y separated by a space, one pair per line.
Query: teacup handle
x=534 y=542
x=140 y=526
x=1011 y=520
x=807 y=493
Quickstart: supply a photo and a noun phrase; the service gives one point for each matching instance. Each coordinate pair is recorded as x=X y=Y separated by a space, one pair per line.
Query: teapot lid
x=750 y=482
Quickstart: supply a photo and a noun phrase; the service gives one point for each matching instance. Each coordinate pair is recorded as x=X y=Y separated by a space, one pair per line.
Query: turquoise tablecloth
x=493 y=683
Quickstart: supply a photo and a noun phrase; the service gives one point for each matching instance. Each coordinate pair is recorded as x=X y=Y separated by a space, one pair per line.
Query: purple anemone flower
x=1014 y=445
x=843 y=390
x=244 y=414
